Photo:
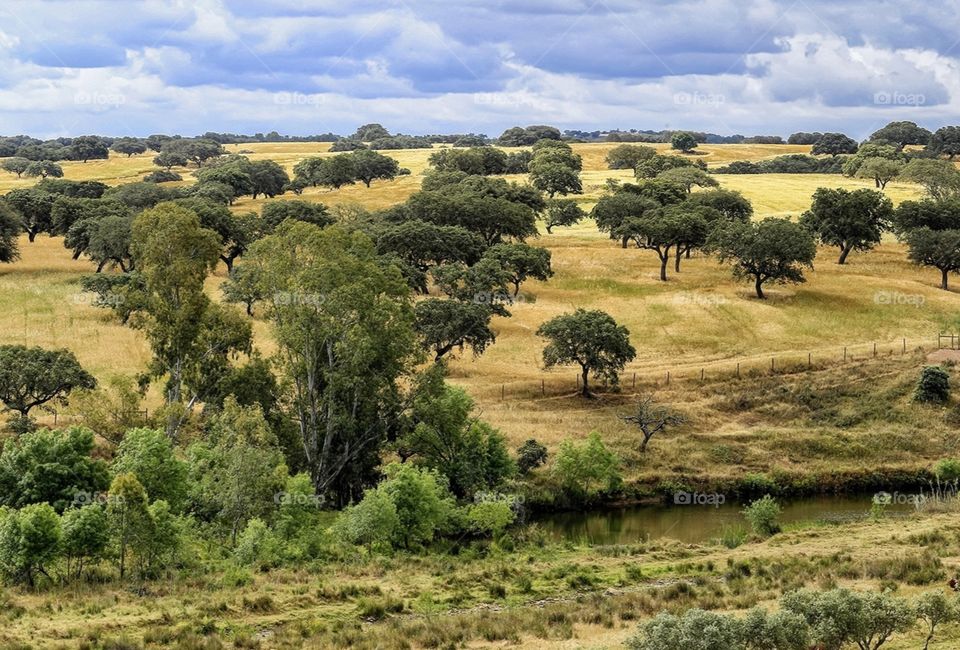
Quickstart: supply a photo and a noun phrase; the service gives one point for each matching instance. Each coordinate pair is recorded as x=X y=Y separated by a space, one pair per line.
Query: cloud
x=748 y=66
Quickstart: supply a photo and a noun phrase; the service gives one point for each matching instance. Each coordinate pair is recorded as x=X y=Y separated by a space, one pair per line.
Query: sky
x=132 y=68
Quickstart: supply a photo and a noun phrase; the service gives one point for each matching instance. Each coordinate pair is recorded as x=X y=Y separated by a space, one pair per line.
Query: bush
x=934 y=385
x=489 y=517
x=29 y=540
x=587 y=470
x=695 y=630
x=530 y=455
x=257 y=546
x=947 y=469
x=148 y=454
x=763 y=515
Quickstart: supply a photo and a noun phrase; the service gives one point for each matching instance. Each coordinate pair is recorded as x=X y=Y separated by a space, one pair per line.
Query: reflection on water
x=694 y=523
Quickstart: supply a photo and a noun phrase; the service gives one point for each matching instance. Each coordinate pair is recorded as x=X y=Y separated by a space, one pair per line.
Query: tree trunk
x=623 y=242
x=584 y=389
x=664 y=258
x=844 y=251
x=676 y=261
x=759 y=287
x=549 y=229
x=31 y=235
x=943 y=279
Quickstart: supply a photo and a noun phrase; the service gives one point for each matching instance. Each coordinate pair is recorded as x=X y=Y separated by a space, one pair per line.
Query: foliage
x=562 y=212
x=848 y=220
x=591 y=339
x=933 y=385
x=585 y=471
x=683 y=141
x=149 y=455
x=773 y=249
x=343 y=322
x=29 y=541
x=447 y=437
x=32 y=376
x=763 y=516
x=530 y=455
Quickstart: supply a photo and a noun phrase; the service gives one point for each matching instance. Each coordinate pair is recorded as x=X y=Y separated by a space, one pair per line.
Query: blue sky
x=125 y=67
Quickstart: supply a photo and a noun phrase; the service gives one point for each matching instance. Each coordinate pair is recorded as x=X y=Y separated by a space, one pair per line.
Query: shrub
x=148 y=454
x=763 y=515
x=489 y=517
x=530 y=455
x=933 y=386
x=52 y=467
x=586 y=470
x=29 y=540
x=947 y=469
x=85 y=536
x=257 y=546
x=695 y=630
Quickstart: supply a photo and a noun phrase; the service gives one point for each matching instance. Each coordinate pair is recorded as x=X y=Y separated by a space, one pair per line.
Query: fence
x=784 y=363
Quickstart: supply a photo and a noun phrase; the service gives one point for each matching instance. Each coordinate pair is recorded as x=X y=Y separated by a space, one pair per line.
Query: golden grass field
x=699 y=319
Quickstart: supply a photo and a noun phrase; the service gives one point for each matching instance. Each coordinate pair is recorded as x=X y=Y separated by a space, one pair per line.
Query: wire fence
x=639 y=380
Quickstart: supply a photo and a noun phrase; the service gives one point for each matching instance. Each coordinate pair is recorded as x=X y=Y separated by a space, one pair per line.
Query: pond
x=697 y=523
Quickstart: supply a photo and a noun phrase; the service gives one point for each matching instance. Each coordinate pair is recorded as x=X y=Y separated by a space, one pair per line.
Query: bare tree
x=651 y=418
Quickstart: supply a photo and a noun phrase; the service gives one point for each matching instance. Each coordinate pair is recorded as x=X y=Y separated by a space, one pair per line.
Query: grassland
x=699 y=321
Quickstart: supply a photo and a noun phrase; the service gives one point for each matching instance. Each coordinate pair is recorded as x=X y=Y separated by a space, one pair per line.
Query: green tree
x=85 y=147
x=267 y=178
x=764 y=516
x=562 y=212
x=939 y=178
x=15 y=165
x=834 y=144
x=849 y=220
x=32 y=376
x=86 y=534
x=694 y=630
x=945 y=141
x=243 y=287
x=422 y=503
x=196 y=150
x=448 y=324
x=343 y=322
x=52 y=467
x=554 y=178
x=661 y=230
x=44 y=169
x=370 y=132
x=937 y=248
x=586 y=470
x=612 y=211
x=149 y=455
x=688 y=177
x=935 y=609
x=29 y=541
x=840 y=617
x=188 y=335
x=772 y=250
x=238 y=471
x=34 y=207
x=530 y=455
x=933 y=385
x=521 y=262
x=370 y=166
x=10 y=228
x=902 y=134
x=628 y=156
x=128 y=146
x=591 y=339
x=448 y=437
x=881 y=170
x=275 y=212
x=129 y=518
x=170 y=159
x=683 y=141
x=335 y=172
x=109 y=241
